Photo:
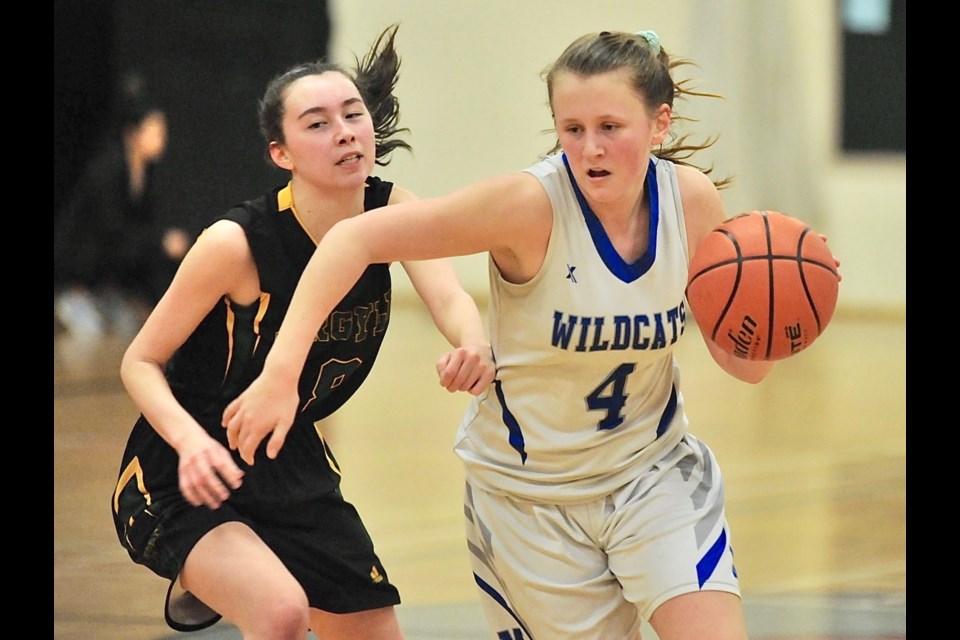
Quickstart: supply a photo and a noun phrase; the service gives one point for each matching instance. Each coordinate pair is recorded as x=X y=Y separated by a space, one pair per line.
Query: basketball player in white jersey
x=589 y=505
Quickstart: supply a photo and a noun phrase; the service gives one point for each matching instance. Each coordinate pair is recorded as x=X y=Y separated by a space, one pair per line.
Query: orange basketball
x=763 y=285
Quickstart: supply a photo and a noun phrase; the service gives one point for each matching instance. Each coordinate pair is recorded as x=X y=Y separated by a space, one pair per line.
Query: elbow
x=133 y=365
x=752 y=376
x=126 y=369
x=749 y=371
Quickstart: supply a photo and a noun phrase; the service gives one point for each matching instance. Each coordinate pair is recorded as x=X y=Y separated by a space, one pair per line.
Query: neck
x=318 y=209
x=624 y=210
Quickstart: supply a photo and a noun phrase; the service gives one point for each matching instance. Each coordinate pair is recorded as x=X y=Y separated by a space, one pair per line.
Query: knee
x=283 y=618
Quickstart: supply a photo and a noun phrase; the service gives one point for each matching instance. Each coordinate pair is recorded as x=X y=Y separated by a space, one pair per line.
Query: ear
x=661 y=124
x=278 y=153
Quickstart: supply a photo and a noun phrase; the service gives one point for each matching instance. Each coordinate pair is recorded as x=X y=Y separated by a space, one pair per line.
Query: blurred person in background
x=112 y=256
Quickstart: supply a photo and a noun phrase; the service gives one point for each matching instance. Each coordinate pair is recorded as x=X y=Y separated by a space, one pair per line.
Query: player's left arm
x=703 y=210
x=469 y=366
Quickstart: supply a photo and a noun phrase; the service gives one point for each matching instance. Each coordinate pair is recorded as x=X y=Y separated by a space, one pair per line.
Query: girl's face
x=328 y=131
x=607 y=132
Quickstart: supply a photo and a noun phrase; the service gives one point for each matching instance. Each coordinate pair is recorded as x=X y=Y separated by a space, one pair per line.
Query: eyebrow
x=312 y=110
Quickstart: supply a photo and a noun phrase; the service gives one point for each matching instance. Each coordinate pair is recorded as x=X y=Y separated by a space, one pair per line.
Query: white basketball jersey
x=587 y=390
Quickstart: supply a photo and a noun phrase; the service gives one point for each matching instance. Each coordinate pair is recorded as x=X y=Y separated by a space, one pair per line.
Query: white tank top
x=587 y=391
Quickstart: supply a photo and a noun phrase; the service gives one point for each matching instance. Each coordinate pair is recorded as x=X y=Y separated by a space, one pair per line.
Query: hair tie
x=653 y=40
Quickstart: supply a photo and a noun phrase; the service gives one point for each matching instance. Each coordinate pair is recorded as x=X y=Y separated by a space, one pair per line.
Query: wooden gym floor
x=814 y=459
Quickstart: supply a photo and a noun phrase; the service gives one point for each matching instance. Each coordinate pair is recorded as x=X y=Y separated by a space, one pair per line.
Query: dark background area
x=83 y=72
x=874 y=91
x=206 y=63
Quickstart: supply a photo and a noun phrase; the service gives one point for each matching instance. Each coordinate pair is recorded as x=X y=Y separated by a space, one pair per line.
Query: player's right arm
x=469 y=365
x=508 y=215
x=703 y=210
x=219 y=264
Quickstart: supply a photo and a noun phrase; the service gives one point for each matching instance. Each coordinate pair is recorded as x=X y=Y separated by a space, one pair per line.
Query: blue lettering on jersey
x=643 y=332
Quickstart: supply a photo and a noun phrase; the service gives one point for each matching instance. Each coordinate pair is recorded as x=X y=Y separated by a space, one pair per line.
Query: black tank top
x=227 y=350
x=225 y=354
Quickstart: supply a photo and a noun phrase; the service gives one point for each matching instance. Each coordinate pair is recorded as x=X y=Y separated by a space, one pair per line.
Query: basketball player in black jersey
x=269 y=543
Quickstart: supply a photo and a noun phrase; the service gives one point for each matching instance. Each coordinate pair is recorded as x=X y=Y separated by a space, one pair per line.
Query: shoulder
x=550 y=165
x=699 y=195
x=249 y=211
x=399 y=194
x=510 y=193
x=221 y=248
x=219 y=263
x=703 y=207
x=224 y=234
x=692 y=180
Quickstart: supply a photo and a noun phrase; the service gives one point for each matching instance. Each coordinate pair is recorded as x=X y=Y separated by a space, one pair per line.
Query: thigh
x=232 y=571
x=381 y=624
x=158 y=527
x=541 y=574
x=332 y=555
x=667 y=534
x=701 y=615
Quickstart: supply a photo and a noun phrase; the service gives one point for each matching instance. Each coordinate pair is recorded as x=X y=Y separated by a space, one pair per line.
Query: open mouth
x=351 y=158
x=597 y=173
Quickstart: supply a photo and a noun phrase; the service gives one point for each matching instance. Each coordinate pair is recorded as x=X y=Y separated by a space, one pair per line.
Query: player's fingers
x=212 y=493
x=232 y=425
x=220 y=478
x=276 y=440
x=232 y=433
x=448 y=375
x=442 y=363
x=823 y=237
x=469 y=376
x=447 y=367
x=190 y=494
x=247 y=446
x=483 y=381
x=460 y=379
x=229 y=412
x=227 y=471
x=202 y=486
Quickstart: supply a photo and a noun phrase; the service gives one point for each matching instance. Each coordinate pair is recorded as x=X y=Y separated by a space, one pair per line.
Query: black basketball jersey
x=227 y=350
x=226 y=353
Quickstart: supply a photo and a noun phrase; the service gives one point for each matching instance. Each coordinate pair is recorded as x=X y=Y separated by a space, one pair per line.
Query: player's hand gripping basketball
x=763 y=285
x=266 y=407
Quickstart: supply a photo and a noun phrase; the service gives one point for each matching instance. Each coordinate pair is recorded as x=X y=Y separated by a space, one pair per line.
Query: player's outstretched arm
x=268 y=405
